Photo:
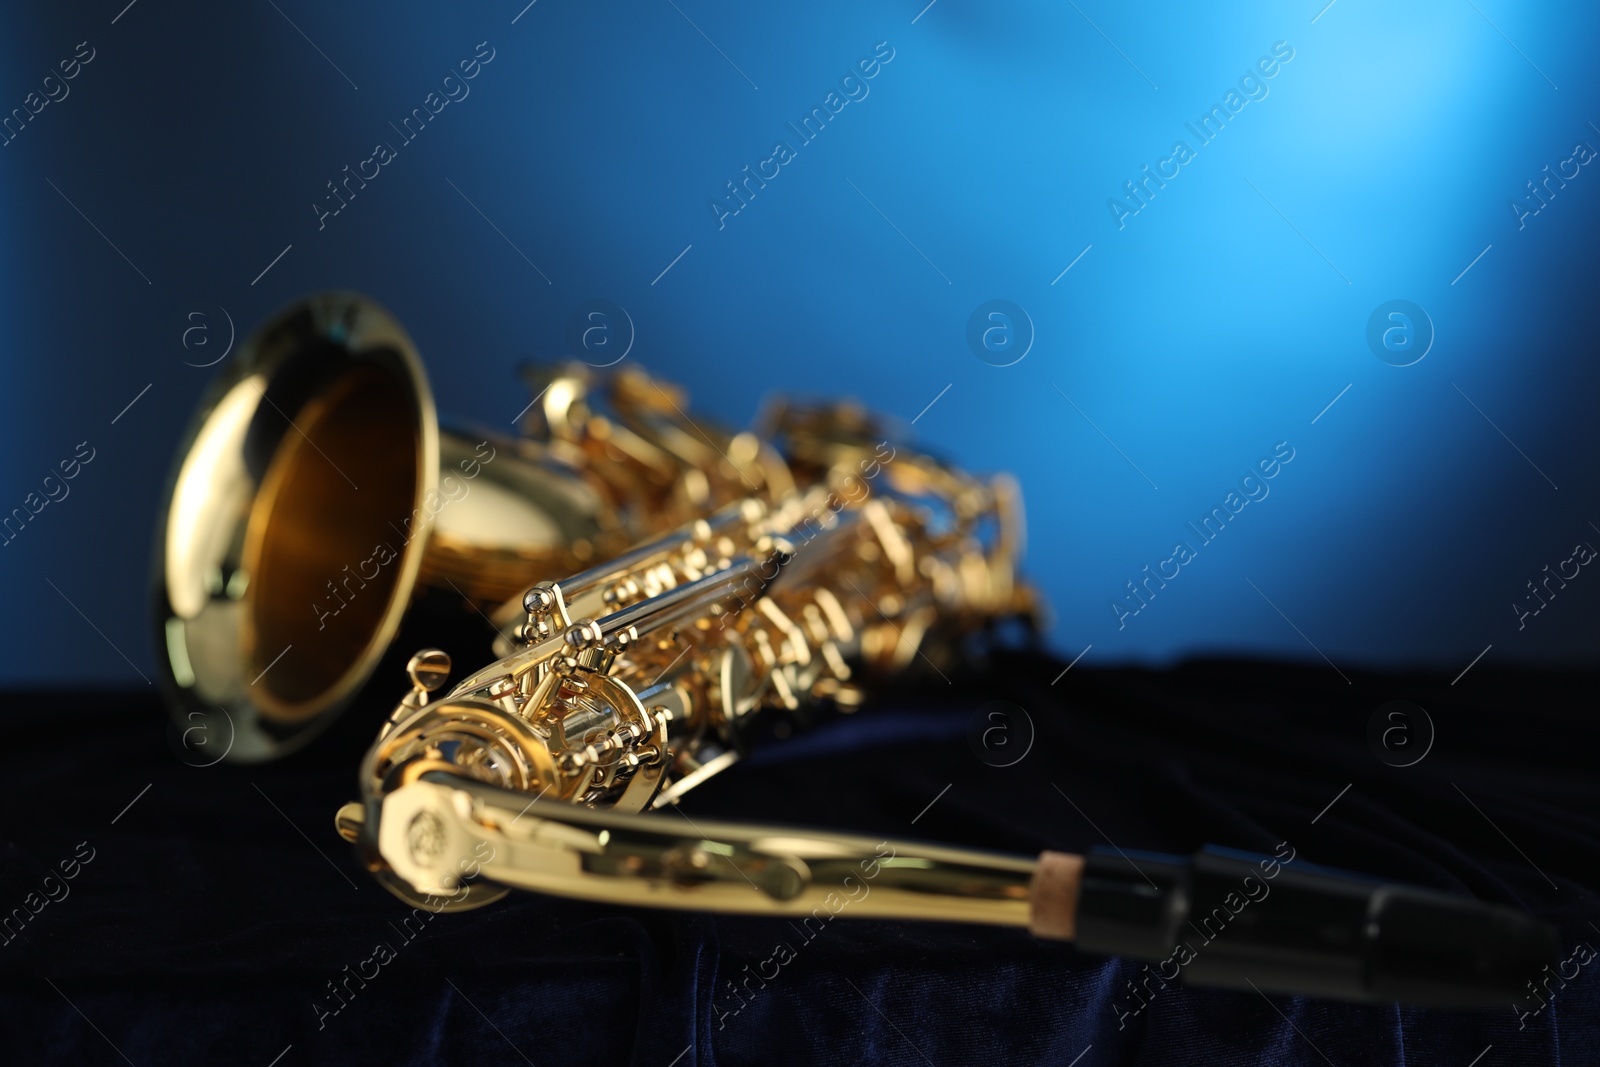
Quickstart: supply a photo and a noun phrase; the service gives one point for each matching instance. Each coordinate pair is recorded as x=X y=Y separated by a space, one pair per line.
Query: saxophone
x=723 y=590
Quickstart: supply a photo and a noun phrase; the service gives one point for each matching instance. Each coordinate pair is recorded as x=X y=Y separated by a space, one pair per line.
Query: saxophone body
x=621 y=688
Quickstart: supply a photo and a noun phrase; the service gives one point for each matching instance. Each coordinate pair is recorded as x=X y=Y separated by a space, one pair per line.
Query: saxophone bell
x=316 y=496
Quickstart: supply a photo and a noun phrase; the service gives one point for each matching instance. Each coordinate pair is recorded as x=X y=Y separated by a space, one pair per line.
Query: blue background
x=1220 y=320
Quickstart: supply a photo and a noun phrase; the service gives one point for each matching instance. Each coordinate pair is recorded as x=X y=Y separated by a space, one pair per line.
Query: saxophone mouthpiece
x=1237 y=920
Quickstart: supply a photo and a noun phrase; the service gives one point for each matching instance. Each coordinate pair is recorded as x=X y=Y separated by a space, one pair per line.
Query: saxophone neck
x=444 y=831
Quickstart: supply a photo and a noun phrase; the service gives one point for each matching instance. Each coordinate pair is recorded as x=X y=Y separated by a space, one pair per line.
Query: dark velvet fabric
x=218 y=907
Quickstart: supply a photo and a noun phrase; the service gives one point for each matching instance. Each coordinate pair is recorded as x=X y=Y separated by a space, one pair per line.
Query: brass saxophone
x=724 y=590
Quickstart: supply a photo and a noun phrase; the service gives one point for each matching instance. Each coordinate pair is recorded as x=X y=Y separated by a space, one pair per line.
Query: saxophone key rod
x=582 y=595
x=693 y=598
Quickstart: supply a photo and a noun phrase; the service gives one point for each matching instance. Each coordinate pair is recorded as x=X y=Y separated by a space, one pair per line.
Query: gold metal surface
x=316 y=494
x=266 y=511
x=443 y=829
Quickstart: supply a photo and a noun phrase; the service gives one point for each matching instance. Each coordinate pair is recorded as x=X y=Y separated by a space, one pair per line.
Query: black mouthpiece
x=1233 y=919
